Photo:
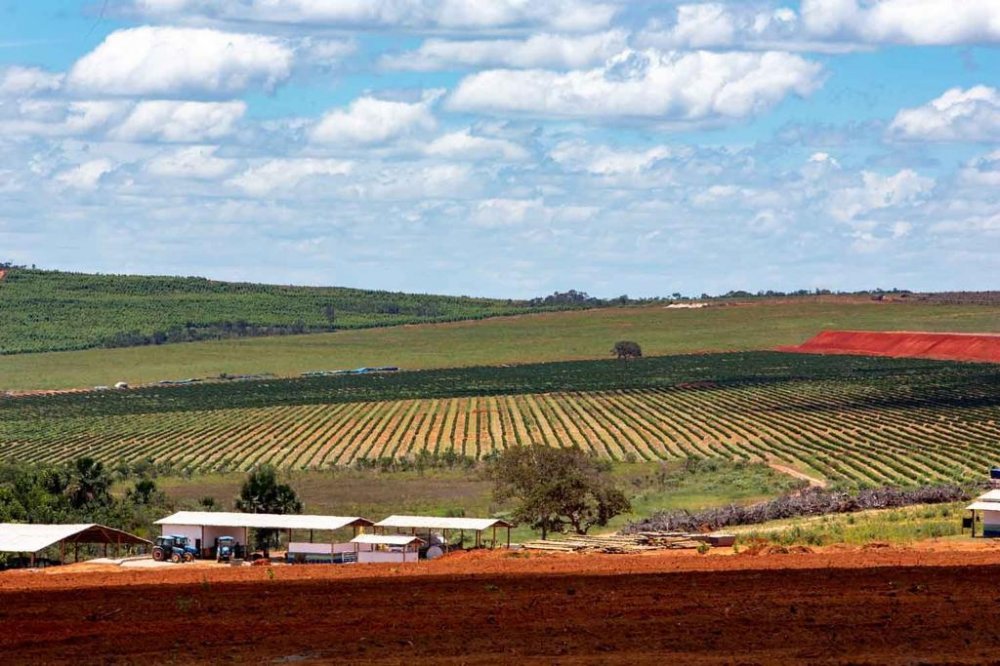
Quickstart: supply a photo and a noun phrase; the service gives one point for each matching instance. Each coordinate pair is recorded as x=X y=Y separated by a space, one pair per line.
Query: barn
x=985 y=512
x=202 y=528
x=33 y=541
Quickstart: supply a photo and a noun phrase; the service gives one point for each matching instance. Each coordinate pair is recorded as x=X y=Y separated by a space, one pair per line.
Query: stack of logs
x=629 y=543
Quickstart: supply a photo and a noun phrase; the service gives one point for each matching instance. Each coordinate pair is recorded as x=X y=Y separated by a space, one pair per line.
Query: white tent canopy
x=436 y=523
x=262 y=520
x=25 y=538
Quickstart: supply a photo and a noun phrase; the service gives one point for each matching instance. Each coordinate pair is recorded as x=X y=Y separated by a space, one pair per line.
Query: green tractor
x=174 y=547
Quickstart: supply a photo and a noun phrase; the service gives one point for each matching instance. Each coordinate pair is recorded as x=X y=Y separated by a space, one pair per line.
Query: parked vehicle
x=226 y=548
x=174 y=547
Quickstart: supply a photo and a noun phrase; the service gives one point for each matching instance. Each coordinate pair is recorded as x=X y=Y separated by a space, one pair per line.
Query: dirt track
x=882 y=606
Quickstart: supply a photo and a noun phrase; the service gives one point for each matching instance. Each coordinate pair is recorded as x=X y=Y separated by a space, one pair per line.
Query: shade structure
x=263 y=521
x=386 y=539
x=27 y=538
x=438 y=523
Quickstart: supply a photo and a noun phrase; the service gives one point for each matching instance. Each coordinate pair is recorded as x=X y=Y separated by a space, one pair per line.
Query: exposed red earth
x=883 y=605
x=984 y=347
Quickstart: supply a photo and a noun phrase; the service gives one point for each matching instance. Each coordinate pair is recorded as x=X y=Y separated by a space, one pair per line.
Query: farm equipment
x=174 y=547
x=226 y=548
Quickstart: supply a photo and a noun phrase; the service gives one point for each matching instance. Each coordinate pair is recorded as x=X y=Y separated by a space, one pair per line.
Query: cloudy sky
x=506 y=147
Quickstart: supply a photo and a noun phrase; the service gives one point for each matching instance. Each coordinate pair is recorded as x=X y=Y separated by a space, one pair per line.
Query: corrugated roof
x=991 y=496
x=387 y=539
x=26 y=538
x=983 y=506
x=262 y=520
x=437 y=523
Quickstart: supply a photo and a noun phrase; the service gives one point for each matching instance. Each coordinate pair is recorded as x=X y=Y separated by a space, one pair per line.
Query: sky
x=507 y=148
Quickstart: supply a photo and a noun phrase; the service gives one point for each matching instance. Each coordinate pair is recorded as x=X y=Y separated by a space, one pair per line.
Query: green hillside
x=536 y=338
x=56 y=311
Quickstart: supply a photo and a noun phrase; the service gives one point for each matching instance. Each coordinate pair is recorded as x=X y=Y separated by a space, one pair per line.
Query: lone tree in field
x=555 y=489
x=626 y=349
x=261 y=493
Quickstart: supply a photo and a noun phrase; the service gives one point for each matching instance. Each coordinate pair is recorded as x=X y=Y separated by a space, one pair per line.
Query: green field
x=53 y=310
x=508 y=340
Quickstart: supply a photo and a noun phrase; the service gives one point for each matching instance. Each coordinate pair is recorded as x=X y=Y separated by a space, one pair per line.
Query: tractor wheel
x=188 y=557
x=175 y=558
x=158 y=554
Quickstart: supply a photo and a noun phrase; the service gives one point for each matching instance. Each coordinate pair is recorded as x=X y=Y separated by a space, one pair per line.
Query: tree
x=626 y=349
x=556 y=488
x=90 y=484
x=261 y=493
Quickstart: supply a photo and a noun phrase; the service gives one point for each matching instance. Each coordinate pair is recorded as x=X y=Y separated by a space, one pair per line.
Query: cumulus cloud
x=957 y=115
x=606 y=161
x=54 y=118
x=167 y=60
x=645 y=84
x=181 y=122
x=571 y=15
x=198 y=162
x=18 y=81
x=541 y=50
x=930 y=22
x=877 y=192
x=465 y=145
x=282 y=176
x=86 y=176
x=369 y=121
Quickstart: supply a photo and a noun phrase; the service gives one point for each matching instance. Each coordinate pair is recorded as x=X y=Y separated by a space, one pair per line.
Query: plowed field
x=940 y=346
x=884 y=606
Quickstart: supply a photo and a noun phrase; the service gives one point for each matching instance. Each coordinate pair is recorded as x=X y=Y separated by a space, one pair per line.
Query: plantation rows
x=862 y=430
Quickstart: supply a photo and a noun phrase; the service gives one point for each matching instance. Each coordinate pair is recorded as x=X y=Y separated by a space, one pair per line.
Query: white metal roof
x=983 y=506
x=387 y=539
x=436 y=523
x=261 y=520
x=26 y=538
x=991 y=496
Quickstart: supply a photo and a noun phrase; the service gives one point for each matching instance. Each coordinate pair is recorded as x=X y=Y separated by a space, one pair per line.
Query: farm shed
x=372 y=548
x=446 y=526
x=30 y=540
x=203 y=527
x=986 y=512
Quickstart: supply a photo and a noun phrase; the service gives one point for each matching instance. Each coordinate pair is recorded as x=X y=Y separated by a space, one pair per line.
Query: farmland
x=860 y=421
x=535 y=338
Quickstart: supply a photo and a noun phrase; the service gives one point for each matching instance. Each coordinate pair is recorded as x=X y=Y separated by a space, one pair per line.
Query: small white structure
x=203 y=527
x=33 y=539
x=428 y=524
x=373 y=548
x=986 y=512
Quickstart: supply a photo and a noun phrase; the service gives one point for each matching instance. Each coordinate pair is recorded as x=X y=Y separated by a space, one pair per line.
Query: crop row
x=853 y=431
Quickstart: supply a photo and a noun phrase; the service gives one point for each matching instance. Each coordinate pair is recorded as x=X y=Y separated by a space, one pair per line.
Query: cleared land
x=858 y=420
x=885 y=606
x=524 y=339
x=947 y=346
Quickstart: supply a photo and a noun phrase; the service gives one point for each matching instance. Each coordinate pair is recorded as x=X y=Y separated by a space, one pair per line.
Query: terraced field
x=855 y=420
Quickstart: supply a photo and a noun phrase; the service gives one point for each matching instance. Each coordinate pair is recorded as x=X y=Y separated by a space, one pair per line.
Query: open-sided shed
x=372 y=548
x=985 y=511
x=446 y=526
x=203 y=527
x=30 y=539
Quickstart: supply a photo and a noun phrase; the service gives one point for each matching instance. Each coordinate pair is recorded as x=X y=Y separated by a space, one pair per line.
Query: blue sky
x=509 y=148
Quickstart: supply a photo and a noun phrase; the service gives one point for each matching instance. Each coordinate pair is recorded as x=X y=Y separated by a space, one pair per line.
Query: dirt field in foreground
x=931 y=604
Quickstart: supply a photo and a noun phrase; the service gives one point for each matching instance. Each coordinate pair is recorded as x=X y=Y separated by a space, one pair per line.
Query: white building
x=986 y=513
x=399 y=548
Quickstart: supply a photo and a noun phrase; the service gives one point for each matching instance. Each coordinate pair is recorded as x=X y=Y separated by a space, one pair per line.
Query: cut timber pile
x=626 y=543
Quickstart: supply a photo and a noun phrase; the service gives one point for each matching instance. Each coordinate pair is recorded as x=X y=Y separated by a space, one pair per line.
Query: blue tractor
x=226 y=548
x=174 y=547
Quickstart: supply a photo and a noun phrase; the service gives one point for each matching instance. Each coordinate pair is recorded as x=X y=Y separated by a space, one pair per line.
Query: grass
x=376 y=495
x=572 y=335
x=897 y=526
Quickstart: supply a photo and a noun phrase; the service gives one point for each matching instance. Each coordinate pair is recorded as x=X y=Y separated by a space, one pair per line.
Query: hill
x=57 y=311
x=535 y=338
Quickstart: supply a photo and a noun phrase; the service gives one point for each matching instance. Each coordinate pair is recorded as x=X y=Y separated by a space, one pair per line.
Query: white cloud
x=414 y=183
x=572 y=15
x=27 y=81
x=369 y=121
x=903 y=21
x=464 y=145
x=606 y=161
x=645 y=84
x=541 y=50
x=506 y=212
x=983 y=172
x=878 y=192
x=86 y=176
x=167 y=60
x=181 y=122
x=198 y=162
x=52 y=118
x=282 y=176
x=957 y=115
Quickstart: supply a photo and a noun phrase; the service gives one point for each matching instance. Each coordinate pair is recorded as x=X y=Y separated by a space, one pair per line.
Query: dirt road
x=884 y=606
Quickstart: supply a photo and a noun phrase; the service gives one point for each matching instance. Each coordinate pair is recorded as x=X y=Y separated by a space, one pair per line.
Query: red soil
x=942 y=346
x=882 y=606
